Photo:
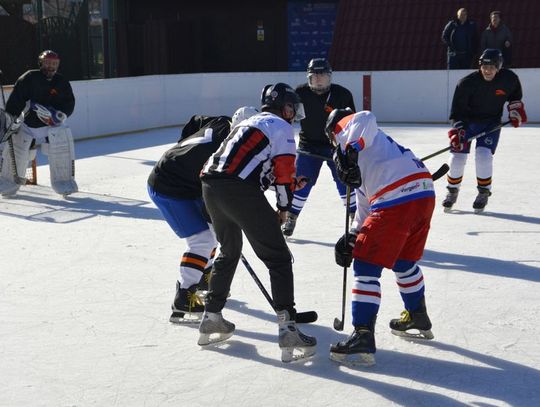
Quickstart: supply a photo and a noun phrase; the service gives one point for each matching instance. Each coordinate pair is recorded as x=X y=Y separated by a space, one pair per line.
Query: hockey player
x=51 y=101
x=395 y=199
x=175 y=187
x=259 y=153
x=477 y=106
x=319 y=97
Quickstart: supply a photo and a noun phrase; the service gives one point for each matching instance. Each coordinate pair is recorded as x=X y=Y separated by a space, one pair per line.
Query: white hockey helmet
x=243 y=113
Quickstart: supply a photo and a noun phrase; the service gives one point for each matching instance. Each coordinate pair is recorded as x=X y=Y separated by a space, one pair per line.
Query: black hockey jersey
x=33 y=86
x=477 y=100
x=176 y=174
x=317 y=109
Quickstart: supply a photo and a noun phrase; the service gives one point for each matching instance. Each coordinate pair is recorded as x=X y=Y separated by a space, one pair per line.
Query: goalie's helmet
x=333 y=119
x=48 y=62
x=491 y=56
x=245 y=112
x=279 y=96
x=47 y=54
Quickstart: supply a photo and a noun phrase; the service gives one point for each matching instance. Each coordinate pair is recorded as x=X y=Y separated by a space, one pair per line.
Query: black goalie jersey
x=176 y=174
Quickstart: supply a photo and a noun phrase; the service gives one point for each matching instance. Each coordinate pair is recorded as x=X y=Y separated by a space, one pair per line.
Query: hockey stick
x=301 y=317
x=18 y=180
x=482 y=134
x=436 y=175
x=338 y=324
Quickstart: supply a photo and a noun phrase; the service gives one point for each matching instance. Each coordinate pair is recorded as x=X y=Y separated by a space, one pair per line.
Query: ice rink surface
x=87 y=284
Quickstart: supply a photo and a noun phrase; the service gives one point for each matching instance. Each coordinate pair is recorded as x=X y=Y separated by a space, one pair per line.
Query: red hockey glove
x=516 y=113
x=456 y=134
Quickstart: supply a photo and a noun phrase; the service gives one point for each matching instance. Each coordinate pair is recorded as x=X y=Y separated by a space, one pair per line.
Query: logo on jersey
x=500 y=92
x=53 y=92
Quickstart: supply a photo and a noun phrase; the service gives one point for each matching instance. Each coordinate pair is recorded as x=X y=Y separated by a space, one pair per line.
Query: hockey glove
x=48 y=115
x=343 y=249
x=458 y=141
x=8 y=125
x=347 y=167
x=516 y=113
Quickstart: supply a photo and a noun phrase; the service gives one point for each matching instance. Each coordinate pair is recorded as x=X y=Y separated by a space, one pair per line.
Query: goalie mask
x=48 y=62
x=245 y=112
x=283 y=99
x=319 y=75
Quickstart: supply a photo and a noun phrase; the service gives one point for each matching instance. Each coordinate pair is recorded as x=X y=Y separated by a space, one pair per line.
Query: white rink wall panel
x=120 y=105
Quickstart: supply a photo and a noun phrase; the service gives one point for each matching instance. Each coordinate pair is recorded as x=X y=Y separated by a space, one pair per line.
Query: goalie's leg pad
x=11 y=180
x=62 y=160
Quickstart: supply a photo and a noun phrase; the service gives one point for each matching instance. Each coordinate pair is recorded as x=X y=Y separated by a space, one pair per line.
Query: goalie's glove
x=48 y=115
x=516 y=113
x=347 y=167
x=343 y=249
x=8 y=125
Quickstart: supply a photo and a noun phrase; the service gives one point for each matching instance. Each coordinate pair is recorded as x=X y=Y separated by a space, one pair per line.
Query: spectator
x=497 y=35
x=461 y=37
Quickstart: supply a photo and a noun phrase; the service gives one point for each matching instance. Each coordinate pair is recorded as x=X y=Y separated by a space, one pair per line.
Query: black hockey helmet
x=279 y=95
x=491 y=56
x=333 y=119
x=319 y=65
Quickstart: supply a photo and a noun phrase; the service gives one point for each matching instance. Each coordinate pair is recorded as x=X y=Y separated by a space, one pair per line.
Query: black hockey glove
x=347 y=167
x=343 y=249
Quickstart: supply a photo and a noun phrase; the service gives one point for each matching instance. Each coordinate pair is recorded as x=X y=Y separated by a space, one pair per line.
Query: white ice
x=87 y=284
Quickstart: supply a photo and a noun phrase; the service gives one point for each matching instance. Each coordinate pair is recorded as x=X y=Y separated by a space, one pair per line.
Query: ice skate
x=357 y=350
x=450 y=199
x=187 y=308
x=481 y=199
x=214 y=329
x=289 y=225
x=294 y=344
x=413 y=324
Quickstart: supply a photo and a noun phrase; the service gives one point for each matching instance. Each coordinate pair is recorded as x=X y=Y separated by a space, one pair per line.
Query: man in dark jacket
x=498 y=36
x=461 y=37
x=51 y=102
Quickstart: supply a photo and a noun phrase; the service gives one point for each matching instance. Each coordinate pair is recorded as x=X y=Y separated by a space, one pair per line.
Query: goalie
x=46 y=99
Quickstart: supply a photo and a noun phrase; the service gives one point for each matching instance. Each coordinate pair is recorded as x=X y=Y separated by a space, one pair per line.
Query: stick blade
x=338 y=324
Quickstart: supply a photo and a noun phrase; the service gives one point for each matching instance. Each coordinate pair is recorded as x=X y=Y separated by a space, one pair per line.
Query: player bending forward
x=50 y=101
x=395 y=201
x=175 y=187
x=258 y=153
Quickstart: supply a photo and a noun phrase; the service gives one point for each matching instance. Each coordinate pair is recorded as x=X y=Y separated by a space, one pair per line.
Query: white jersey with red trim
x=260 y=150
x=391 y=174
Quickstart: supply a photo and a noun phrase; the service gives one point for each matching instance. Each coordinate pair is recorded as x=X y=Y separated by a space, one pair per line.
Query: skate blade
x=447 y=210
x=297 y=354
x=354 y=359
x=213 y=338
x=478 y=210
x=420 y=334
x=186 y=318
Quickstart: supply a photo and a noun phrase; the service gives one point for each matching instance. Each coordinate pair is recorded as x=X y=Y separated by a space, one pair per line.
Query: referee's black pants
x=235 y=206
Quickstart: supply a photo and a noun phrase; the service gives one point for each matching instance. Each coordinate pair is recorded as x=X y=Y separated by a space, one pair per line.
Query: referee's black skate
x=413 y=324
x=481 y=199
x=187 y=307
x=214 y=329
x=451 y=198
x=358 y=350
x=294 y=344
x=289 y=225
